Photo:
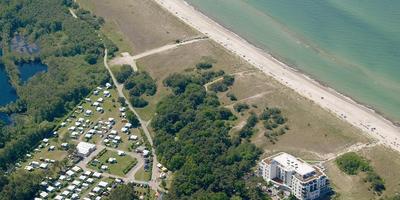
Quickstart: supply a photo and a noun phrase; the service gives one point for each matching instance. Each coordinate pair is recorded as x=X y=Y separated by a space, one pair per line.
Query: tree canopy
x=192 y=140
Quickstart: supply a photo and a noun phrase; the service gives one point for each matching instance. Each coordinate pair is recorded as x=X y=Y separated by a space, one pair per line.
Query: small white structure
x=87 y=173
x=163 y=175
x=108 y=85
x=85 y=149
x=34 y=164
x=56 y=184
x=88 y=112
x=124 y=130
x=69 y=173
x=59 y=197
x=102 y=184
x=62 y=177
x=121 y=153
x=65 y=193
x=71 y=187
x=90 y=180
x=64 y=145
x=100 y=100
x=74 y=134
x=96 y=104
x=146 y=153
x=133 y=137
x=75 y=196
x=104 y=167
x=112 y=160
x=44 y=194
x=99 y=109
x=96 y=189
x=77 y=183
x=50 y=189
x=122 y=109
x=45 y=140
x=107 y=93
x=82 y=178
x=97 y=174
x=114 y=132
x=52 y=148
x=76 y=169
x=128 y=125
x=44 y=165
x=88 y=135
x=28 y=168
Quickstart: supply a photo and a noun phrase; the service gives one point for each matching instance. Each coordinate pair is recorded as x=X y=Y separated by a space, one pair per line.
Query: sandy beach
x=343 y=107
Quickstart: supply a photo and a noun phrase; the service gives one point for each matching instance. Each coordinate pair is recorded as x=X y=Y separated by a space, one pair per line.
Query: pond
x=27 y=70
x=7 y=91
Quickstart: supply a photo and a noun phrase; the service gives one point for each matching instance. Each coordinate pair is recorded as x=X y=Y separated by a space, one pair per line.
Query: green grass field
x=142 y=175
x=122 y=162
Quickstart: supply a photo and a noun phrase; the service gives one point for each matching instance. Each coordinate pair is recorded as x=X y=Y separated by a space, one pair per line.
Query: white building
x=305 y=181
x=84 y=148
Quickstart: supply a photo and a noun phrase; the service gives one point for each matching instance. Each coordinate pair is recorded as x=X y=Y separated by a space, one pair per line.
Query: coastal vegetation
x=192 y=140
x=353 y=164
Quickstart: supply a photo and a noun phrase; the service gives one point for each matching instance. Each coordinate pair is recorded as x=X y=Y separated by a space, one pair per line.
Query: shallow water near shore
x=351 y=46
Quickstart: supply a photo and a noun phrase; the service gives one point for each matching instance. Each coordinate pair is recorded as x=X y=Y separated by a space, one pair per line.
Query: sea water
x=352 y=46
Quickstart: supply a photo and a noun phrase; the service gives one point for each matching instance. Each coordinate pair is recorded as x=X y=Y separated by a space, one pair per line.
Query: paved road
x=155 y=173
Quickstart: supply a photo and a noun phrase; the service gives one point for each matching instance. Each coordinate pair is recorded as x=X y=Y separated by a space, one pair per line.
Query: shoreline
x=294 y=68
x=345 y=108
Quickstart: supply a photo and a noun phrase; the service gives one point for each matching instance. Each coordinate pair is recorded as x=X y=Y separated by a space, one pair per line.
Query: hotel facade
x=305 y=181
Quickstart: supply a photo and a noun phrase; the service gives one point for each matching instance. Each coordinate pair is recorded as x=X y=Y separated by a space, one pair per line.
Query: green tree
x=132 y=118
x=125 y=192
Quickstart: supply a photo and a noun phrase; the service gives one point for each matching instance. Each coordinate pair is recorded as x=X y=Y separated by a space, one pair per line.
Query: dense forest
x=192 y=140
x=71 y=48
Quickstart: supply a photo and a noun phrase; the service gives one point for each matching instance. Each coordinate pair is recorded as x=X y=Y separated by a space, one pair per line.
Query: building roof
x=292 y=163
x=85 y=148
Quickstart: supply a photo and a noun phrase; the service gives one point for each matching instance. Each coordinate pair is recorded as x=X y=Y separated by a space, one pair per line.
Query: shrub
x=231 y=96
x=204 y=65
x=351 y=163
x=138 y=102
x=239 y=107
x=124 y=73
x=219 y=87
x=91 y=59
x=132 y=119
x=228 y=80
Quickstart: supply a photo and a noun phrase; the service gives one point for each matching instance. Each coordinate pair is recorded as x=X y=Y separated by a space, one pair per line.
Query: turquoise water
x=352 y=46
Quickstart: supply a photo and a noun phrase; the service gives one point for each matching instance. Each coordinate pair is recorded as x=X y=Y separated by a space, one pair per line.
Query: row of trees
x=192 y=140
